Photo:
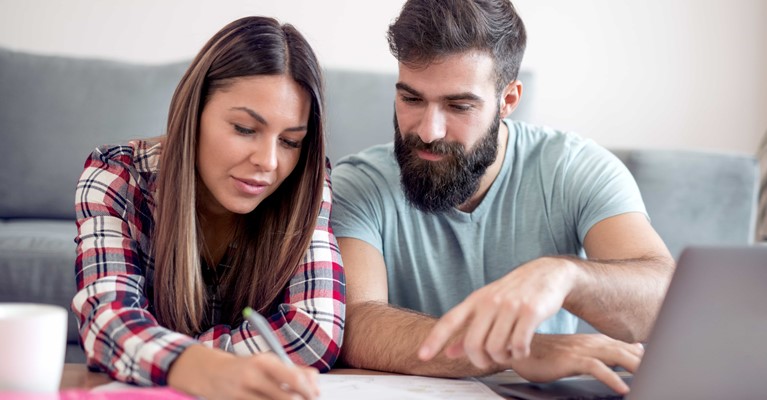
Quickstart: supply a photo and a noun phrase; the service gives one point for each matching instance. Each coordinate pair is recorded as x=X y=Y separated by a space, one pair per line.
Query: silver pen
x=261 y=325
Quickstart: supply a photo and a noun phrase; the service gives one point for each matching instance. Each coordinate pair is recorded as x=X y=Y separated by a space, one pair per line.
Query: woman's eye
x=292 y=143
x=243 y=130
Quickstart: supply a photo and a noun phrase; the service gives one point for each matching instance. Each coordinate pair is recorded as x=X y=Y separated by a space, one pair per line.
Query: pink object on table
x=158 y=393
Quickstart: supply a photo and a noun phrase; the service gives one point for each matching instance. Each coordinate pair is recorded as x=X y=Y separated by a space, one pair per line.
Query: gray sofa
x=55 y=110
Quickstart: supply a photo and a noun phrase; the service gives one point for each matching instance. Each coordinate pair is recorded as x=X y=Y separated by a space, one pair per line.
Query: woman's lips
x=250 y=186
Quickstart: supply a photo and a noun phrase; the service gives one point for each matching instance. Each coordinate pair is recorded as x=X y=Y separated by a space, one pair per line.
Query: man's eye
x=408 y=99
x=243 y=130
x=461 y=107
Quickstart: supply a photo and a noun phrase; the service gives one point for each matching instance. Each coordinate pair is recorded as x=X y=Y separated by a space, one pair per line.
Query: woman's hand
x=215 y=374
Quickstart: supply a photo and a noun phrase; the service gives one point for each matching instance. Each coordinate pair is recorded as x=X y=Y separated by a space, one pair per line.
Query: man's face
x=446 y=129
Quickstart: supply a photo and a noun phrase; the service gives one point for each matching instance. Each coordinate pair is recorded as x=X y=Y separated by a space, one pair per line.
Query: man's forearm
x=620 y=298
x=381 y=337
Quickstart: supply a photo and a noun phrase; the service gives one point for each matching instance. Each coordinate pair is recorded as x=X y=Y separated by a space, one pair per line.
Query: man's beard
x=437 y=186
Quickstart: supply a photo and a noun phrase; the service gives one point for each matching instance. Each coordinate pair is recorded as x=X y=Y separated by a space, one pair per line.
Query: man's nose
x=432 y=126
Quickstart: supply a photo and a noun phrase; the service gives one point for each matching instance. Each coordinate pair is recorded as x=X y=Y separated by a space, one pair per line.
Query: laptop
x=708 y=342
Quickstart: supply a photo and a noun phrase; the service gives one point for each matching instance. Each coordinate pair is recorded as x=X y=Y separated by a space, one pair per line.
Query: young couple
x=459 y=241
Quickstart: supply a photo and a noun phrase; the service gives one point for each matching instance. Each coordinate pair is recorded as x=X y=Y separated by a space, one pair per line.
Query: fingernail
x=424 y=352
x=625 y=389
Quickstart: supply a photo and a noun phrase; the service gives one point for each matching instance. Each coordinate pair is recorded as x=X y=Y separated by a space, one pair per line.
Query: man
x=480 y=220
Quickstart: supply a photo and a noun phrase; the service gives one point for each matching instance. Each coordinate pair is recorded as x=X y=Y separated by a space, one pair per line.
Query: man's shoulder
x=540 y=142
x=542 y=135
x=376 y=160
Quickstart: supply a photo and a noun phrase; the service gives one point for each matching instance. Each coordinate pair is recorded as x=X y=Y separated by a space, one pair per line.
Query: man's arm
x=620 y=296
x=620 y=287
x=381 y=337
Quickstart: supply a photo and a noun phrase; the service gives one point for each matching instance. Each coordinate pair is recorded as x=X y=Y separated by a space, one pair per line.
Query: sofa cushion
x=37 y=263
x=56 y=110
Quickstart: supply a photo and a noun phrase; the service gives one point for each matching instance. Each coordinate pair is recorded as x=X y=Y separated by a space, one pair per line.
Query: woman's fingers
x=286 y=380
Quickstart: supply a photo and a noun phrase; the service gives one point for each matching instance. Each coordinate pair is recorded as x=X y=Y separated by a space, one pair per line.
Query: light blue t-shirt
x=552 y=188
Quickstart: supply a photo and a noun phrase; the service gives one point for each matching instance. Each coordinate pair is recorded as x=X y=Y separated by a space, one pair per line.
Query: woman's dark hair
x=270 y=241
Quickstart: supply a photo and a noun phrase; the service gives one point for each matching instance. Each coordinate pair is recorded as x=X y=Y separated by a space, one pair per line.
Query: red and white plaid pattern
x=114 y=269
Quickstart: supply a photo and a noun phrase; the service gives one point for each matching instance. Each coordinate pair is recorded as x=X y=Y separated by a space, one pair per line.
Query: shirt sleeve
x=598 y=186
x=359 y=201
x=118 y=333
x=310 y=321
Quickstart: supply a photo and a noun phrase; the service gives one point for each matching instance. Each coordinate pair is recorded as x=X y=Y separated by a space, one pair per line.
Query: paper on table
x=336 y=387
x=374 y=387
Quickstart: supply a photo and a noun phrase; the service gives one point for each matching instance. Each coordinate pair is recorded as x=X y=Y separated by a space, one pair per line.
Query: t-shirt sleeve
x=598 y=186
x=357 y=210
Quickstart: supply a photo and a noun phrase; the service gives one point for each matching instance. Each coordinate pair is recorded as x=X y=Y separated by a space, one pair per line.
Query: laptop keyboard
x=568 y=389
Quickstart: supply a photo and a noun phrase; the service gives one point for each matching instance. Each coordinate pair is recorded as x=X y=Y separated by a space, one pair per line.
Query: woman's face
x=251 y=133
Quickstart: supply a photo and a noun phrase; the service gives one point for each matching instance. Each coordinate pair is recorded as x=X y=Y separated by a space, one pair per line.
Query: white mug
x=33 y=340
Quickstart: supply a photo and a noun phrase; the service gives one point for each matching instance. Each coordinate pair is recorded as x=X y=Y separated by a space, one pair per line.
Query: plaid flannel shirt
x=114 y=269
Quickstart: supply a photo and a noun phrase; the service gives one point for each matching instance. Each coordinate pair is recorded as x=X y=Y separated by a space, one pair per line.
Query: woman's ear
x=510 y=97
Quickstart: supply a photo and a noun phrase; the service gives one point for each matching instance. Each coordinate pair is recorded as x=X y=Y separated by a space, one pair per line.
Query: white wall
x=653 y=73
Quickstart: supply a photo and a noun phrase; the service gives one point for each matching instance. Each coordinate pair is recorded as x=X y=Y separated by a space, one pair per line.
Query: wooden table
x=77 y=376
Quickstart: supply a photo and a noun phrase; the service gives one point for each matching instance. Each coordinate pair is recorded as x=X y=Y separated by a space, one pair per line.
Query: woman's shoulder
x=142 y=155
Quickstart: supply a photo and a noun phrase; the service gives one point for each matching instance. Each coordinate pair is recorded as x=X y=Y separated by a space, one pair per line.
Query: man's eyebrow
x=407 y=88
x=465 y=96
x=451 y=97
x=262 y=120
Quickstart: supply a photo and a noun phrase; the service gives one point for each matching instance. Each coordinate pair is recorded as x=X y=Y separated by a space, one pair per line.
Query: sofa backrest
x=56 y=110
x=697 y=197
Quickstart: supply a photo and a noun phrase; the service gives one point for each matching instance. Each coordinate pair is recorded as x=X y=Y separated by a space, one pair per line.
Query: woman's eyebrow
x=252 y=113
x=262 y=120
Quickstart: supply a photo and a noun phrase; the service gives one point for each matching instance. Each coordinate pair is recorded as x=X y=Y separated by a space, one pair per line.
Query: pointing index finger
x=442 y=331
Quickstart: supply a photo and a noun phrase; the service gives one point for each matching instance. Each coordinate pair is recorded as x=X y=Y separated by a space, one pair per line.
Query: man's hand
x=500 y=319
x=558 y=356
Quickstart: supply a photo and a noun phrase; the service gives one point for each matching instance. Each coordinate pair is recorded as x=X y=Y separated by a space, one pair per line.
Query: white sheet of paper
x=383 y=387
x=406 y=387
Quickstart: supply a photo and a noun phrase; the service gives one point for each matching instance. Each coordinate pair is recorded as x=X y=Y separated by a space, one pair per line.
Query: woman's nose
x=264 y=154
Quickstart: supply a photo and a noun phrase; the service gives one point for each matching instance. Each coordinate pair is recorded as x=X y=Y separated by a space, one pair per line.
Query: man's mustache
x=439 y=147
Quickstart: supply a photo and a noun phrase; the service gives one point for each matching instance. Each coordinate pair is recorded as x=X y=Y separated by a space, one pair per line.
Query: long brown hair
x=270 y=241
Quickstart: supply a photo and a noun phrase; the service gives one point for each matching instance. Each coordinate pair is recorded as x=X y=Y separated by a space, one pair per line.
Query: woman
x=177 y=235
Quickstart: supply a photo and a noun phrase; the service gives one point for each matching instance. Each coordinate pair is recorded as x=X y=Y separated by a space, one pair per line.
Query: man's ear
x=510 y=97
